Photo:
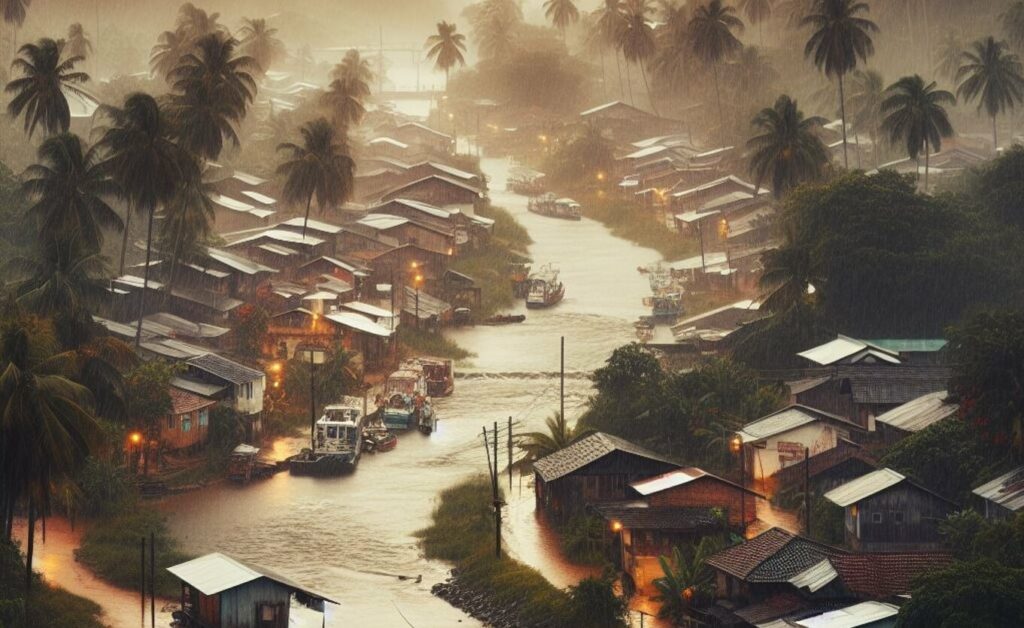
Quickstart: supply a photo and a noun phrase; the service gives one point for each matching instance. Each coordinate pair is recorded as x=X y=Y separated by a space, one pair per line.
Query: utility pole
x=152 y=579
x=561 y=393
x=142 y=577
x=497 y=501
x=807 y=490
x=312 y=405
x=510 y=454
x=743 y=491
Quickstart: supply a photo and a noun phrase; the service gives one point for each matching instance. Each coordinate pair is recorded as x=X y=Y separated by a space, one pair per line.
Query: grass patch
x=463 y=533
x=506 y=231
x=45 y=605
x=638 y=225
x=422 y=342
x=111 y=549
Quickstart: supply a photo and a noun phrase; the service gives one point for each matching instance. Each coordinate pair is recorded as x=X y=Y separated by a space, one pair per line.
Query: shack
x=218 y=591
x=885 y=511
x=1003 y=497
x=596 y=468
x=188 y=423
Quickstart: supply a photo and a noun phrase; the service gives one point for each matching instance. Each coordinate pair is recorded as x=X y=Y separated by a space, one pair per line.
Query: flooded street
x=351 y=537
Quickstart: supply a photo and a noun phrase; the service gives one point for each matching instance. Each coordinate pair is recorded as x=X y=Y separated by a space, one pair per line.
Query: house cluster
x=351 y=277
x=854 y=399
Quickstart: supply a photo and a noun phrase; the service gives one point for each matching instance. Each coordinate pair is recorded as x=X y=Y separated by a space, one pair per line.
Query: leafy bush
x=424 y=342
x=583 y=539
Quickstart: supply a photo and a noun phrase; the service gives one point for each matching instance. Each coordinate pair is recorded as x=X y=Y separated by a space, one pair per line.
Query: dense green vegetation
x=424 y=342
x=948 y=457
x=462 y=532
x=688 y=415
x=44 y=605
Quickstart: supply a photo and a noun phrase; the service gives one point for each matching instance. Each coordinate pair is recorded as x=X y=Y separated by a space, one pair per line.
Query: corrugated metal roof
x=215 y=573
x=785 y=420
x=382 y=222
x=359 y=323
x=277 y=249
x=586 y=450
x=366 y=308
x=694 y=216
x=674 y=478
x=852 y=616
x=390 y=141
x=843 y=348
x=314 y=225
x=225 y=369
x=259 y=198
x=714 y=184
x=238 y=262
x=231 y=203
x=863 y=487
x=815 y=577
x=426 y=208
x=281 y=235
x=1006 y=490
x=919 y=413
x=911 y=345
x=200 y=388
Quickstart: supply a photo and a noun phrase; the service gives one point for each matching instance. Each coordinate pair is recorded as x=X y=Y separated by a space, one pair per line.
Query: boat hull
x=552 y=299
x=322 y=465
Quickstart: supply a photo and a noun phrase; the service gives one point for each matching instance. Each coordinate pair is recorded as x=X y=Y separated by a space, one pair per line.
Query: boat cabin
x=340 y=427
x=218 y=591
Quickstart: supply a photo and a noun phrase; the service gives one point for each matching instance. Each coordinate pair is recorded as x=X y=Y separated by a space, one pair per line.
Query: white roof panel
x=359 y=323
x=382 y=222
x=259 y=198
x=844 y=347
x=231 y=203
x=389 y=141
x=366 y=308
x=852 y=616
x=691 y=217
x=917 y=414
x=315 y=225
x=426 y=208
x=674 y=478
x=864 y=486
x=214 y=573
x=247 y=178
x=815 y=577
x=713 y=184
x=777 y=423
x=1006 y=490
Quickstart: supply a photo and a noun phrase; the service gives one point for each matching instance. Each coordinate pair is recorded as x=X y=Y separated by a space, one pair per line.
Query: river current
x=352 y=537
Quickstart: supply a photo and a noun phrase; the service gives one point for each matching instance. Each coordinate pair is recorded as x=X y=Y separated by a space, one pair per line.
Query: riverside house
x=594 y=469
x=188 y=423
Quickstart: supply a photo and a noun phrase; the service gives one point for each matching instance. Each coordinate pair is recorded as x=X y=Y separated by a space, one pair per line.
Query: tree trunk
x=604 y=75
x=650 y=98
x=124 y=239
x=718 y=96
x=856 y=141
x=309 y=202
x=927 y=162
x=30 y=550
x=618 y=70
x=145 y=277
x=995 y=138
x=842 y=115
x=629 y=82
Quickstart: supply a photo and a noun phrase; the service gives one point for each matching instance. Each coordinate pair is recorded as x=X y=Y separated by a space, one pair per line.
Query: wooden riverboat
x=377 y=438
x=439 y=374
x=338 y=441
x=405 y=393
x=525 y=181
x=245 y=465
x=504 y=319
x=548 y=205
x=545 y=289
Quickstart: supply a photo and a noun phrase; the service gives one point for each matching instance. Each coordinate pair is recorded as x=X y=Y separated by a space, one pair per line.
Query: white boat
x=338 y=441
x=545 y=289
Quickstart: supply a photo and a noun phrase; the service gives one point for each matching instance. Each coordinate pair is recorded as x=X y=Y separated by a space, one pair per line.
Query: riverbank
x=637 y=224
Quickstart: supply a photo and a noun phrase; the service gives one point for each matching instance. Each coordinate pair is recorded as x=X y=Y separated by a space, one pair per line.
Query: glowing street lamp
x=616 y=526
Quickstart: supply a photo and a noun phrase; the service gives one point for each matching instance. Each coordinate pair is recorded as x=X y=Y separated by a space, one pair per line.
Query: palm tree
x=685 y=577
x=1013 y=24
x=866 y=101
x=495 y=35
x=915 y=115
x=320 y=167
x=77 y=43
x=168 y=51
x=185 y=228
x=673 y=62
x=562 y=13
x=788 y=151
x=791 y=275
x=147 y=165
x=636 y=40
x=13 y=12
x=992 y=75
x=71 y=188
x=609 y=22
x=47 y=428
x=840 y=40
x=757 y=12
x=446 y=48
x=712 y=40
x=212 y=87
x=343 y=100
x=536 y=445
x=260 y=42
x=356 y=71
x=39 y=92
x=950 y=51
x=194 y=22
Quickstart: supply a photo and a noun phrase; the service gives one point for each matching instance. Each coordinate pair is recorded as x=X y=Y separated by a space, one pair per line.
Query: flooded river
x=351 y=537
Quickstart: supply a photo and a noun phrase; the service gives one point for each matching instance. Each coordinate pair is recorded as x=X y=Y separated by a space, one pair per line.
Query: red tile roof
x=740 y=560
x=183 y=401
x=882 y=575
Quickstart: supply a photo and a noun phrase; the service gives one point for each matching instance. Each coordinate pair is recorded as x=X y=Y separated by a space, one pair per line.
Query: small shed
x=885 y=511
x=1003 y=497
x=784 y=438
x=218 y=591
x=188 y=423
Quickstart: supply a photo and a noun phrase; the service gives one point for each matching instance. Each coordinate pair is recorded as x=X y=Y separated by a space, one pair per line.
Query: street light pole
x=312 y=403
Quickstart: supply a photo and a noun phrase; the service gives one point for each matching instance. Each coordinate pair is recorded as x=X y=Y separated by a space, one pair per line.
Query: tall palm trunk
x=30 y=549
x=842 y=115
x=309 y=202
x=618 y=71
x=604 y=76
x=927 y=163
x=650 y=98
x=718 y=97
x=995 y=137
x=124 y=238
x=145 y=277
x=629 y=81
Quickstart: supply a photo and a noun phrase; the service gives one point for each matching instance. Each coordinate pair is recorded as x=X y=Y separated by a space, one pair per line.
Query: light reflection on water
x=350 y=537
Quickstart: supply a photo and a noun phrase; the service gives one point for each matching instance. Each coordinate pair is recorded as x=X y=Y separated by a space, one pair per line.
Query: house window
x=897 y=518
x=172 y=421
x=186 y=423
x=204 y=417
x=876 y=517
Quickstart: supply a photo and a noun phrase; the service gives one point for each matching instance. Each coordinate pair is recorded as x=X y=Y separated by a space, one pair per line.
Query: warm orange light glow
x=135 y=437
x=688 y=593
x=277 y=384
x=451 y=116
x=414 y=265
x=600 y=176
x=275 y=367
x=736 y=444
x=616 y=526
x=418 y=279
x=543 y=138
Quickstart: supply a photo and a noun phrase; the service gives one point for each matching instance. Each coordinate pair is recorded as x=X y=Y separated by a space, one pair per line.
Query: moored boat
x=337 y=444
x=549 y=205
x=545 y=289
x=377 y=438
x=525 y=181
x=439 y=374
x=245 y=464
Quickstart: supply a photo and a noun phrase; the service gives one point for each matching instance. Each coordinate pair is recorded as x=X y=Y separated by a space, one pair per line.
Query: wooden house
x=705 y=332
x=1003 y=497
x=785 y=437
x=831 y=468
x=885 y=511
x=407 y=231
x=691 y=199
x=674 y=508
x=626 y=122
x=389 y=147
x=416 y=134
x=442 y=191
x=915 y=415
x=596 y=468
x=188 y=423
x=236 y=214
x=218 y=591
x=318 y=228
x=463 y=228
x=235 y=385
